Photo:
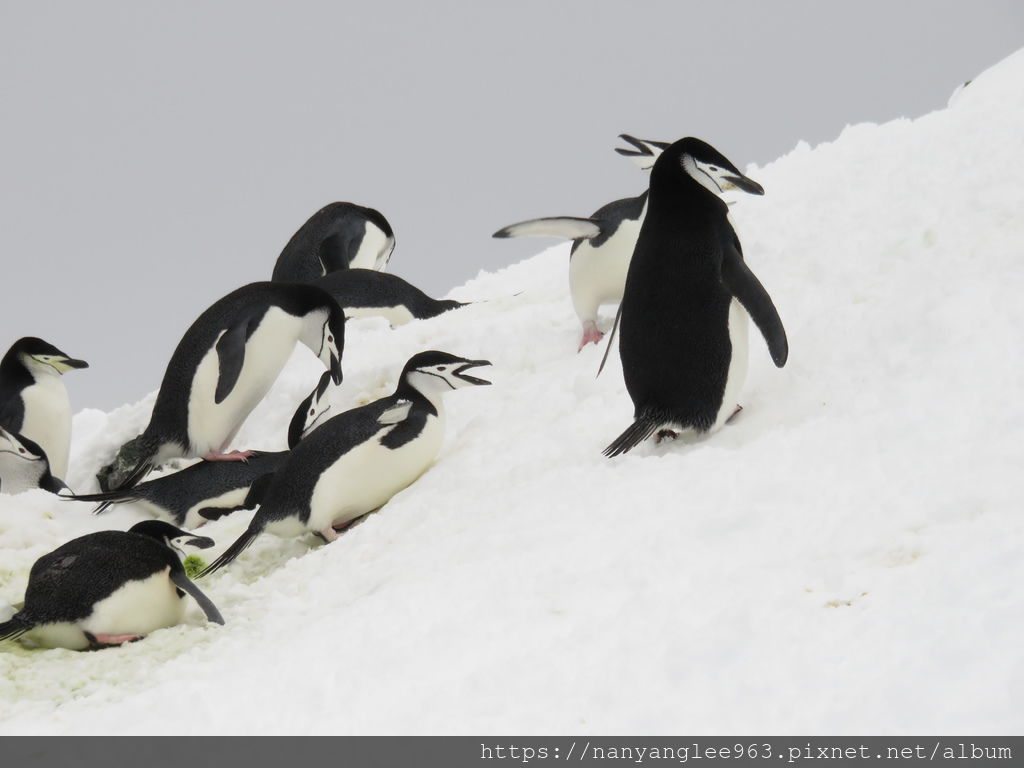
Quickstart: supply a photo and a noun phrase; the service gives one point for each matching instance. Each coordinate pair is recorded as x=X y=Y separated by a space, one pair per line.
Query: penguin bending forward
x=356 y=461
x=338 y=236
x=368 y=293
x=683 y=317
x=24 y=466
x=222 y=368
x=209 y=490
x=109 y=588
x=33 y=399
x=602 y=244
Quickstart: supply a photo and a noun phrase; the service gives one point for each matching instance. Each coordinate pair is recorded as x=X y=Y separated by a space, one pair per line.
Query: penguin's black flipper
x=241 y=544
x=744 y=285
x=106 y=498
x=185 y=584
x=611 y=338
x=14 y=628
x=257 y=491
x=635 y=433
x=568 y=227
x=216 y=513
x=230 y=357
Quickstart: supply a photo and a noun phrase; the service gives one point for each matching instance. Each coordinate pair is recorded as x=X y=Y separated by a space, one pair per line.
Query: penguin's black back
x=326 y=242
x=609 y=217
x=65 y=584
x=362 y=288
x=14 y=377
x=179 y=491
x=674 y=337
x=248 y=305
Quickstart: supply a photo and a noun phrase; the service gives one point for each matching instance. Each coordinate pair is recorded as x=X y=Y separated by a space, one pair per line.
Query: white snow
x=845 y=558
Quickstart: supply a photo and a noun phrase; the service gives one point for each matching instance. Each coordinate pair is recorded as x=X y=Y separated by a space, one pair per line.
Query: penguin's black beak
x=199 y=542
x=460 y=372
x=335 y=370
x=72 y=363
x=747 y=185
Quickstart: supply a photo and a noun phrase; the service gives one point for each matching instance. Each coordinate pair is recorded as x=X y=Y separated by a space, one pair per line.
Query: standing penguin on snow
x=356 y=461
x=338 y=236
x=222 y=368
x=602 y=244
x=209 y=490
x=33 y=399
x=24 y=466
x=109 y=588
x=682 y=321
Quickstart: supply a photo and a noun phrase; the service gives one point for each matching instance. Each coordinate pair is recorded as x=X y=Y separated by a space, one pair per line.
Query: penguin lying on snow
x=368 y=293
x=602 y=244
x=358 y=460
x=211 y=489
x=23 y=466
x=109 y=588
x=338 y=236
x=682 y=322
x=33 y=399
x=222 y=368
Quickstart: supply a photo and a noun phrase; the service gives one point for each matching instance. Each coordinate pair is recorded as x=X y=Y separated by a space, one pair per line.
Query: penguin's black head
x=313 y=411
x=173 y=537
x=33 y=352
x=704 y=164
x=441 y=371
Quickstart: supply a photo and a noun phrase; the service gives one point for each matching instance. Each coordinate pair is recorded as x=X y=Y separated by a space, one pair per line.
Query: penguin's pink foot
x=734 y=414
x=114 y=639
x=233 y=456
x=665 y=434
x=590 y=335
x=329 y=534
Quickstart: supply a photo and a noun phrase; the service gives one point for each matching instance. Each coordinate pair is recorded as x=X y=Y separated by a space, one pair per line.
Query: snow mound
x=844 y=558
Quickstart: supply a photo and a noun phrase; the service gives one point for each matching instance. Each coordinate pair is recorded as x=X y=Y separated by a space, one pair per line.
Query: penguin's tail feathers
x=641 y=429
x=567 y=227
x=241 y=544
x=106 y=498
x=14 y=628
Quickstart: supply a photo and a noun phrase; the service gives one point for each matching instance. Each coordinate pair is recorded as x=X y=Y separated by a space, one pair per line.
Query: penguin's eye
x=21 y=450
x=330 y=339
x=441 y=368
x=712 y=168
x=312 y=411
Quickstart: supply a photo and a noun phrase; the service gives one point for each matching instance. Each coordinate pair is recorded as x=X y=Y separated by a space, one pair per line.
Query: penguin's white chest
x=48 y=420
x=374 y=250
x=212 y=425
x=136 y=608
x=367 y=476
x=598 y=275
x=395 y=316
x=738 y=332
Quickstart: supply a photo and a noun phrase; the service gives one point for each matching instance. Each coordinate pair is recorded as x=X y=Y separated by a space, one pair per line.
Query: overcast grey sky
x=155 y=156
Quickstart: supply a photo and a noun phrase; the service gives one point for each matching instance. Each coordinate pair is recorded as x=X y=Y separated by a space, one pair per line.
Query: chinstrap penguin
x=682 y=324
x=24 y=466
x=602 y=244
x=338 y=236
x=223 y=367
x=33 y=399
x=368 y=293
x=356 y=461
x=109 y=588
x=208 y=490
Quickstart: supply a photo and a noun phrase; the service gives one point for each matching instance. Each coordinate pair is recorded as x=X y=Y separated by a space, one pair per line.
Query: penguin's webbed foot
x=232 y=456
x=591 y=335
x=100 y=641
x=665 y=434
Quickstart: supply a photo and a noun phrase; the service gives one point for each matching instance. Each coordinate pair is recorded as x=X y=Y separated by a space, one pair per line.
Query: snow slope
x=845 y=558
